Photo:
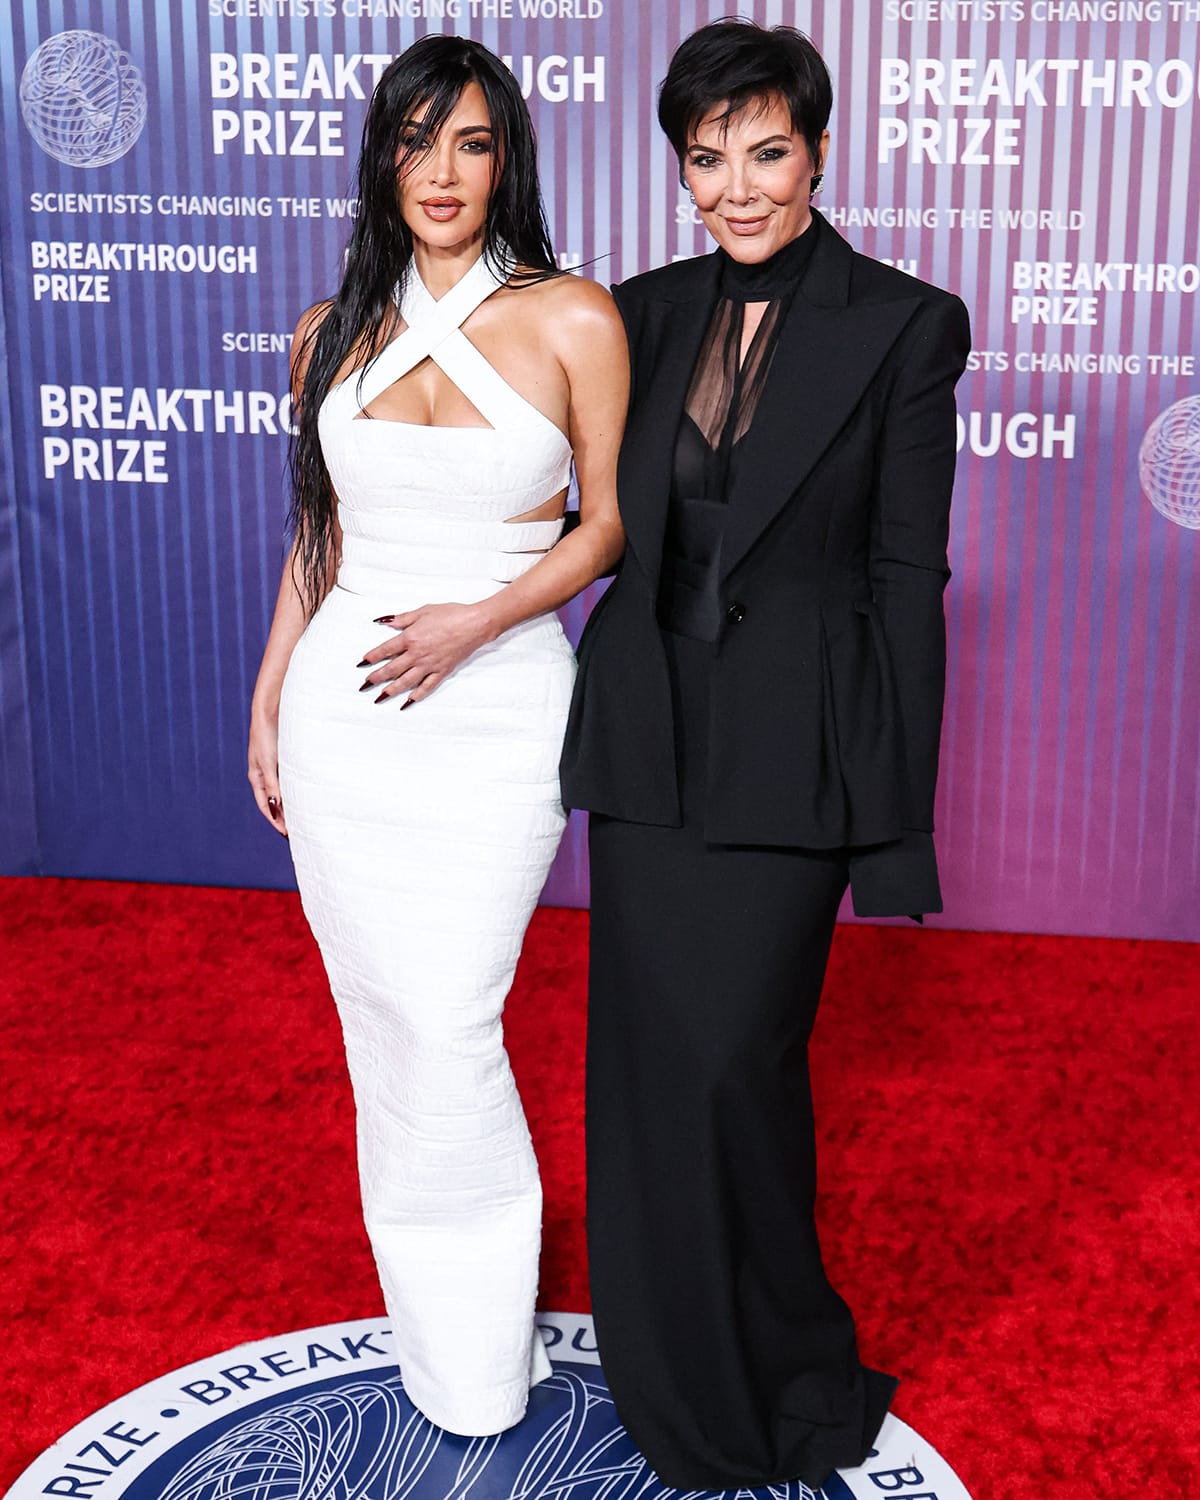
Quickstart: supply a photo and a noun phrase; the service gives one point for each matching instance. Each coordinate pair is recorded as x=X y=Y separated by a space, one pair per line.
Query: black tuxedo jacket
x=828 y=676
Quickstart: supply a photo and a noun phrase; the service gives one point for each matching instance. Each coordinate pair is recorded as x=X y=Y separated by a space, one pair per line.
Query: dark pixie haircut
x=738 y=63
x=360 y=318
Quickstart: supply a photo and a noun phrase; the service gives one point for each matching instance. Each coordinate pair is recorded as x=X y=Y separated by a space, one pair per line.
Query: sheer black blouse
x=721 y=402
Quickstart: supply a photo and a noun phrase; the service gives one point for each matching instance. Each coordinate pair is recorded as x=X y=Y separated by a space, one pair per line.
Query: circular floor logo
x=83 y=99
x=322 y=1415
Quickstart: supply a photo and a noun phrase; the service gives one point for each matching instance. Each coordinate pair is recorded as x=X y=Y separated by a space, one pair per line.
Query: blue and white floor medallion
x=322 y=1415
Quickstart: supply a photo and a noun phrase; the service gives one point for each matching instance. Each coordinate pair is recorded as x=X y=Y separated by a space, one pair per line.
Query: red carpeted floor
x=1009 y=1152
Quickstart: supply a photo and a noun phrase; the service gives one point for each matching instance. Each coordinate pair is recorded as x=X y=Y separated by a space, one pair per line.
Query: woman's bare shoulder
x=309 y=323
x=573 y=294
x=307 y=328
x=571 y=309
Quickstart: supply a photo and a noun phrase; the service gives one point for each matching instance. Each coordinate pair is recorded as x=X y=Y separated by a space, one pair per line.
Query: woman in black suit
x=755 y=724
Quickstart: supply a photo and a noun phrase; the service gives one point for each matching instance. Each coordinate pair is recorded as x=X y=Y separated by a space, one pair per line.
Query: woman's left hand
x=430 y=643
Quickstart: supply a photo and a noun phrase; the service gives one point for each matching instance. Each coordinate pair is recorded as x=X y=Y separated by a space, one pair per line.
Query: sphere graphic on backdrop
x=1169 y=463
x=83 y=99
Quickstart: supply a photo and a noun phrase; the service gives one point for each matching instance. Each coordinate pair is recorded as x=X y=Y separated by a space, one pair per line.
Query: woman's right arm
x=910 y=527
x=287 y=626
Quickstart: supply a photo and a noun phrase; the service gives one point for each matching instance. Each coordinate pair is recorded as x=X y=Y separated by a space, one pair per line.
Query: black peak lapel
x=668 y=342
x=829 y=348
x=827 y=281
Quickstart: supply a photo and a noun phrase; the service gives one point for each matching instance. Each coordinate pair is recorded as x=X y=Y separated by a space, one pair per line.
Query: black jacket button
x=736 y=613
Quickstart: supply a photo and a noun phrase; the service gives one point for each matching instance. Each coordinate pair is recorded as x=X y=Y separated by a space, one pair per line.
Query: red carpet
x=1009 y=1155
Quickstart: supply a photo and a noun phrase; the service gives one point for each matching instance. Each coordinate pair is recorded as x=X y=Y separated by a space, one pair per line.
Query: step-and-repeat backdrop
x=178 y=185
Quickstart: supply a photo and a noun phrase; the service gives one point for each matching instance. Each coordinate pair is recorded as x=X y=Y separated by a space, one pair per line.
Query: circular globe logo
x=322 y=1414
x=83 y=99
x=1169 y=463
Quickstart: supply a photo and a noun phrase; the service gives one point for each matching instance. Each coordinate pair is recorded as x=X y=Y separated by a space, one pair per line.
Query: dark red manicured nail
x=407 y=704
x=363 y=663
x=273 y=807
x=384 y=620
x=382 y=695
x=366 y=685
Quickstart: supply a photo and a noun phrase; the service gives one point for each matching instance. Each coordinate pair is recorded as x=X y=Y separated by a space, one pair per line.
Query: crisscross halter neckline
x=434 y=331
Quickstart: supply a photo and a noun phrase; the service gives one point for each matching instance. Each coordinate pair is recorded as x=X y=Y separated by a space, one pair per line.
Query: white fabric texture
x=421 y=842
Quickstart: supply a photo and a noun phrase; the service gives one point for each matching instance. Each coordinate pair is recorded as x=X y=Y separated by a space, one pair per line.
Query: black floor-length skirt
x=731 y=1359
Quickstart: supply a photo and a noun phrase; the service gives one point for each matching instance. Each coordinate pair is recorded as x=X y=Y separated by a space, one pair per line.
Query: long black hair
x=433 y=73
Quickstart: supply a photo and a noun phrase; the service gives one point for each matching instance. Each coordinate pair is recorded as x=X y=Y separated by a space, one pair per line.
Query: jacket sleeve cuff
x=896 y=879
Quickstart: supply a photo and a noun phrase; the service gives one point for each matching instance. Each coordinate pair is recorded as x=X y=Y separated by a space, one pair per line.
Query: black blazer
x=828 y=676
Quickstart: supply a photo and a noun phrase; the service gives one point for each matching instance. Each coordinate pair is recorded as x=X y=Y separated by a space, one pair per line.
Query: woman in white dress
x=442 y=395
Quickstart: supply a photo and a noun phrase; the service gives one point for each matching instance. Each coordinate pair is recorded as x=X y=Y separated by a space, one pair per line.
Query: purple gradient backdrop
x=132 y=616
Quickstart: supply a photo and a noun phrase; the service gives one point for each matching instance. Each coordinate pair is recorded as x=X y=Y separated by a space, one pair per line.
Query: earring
x=816 y=183
x=692 y=196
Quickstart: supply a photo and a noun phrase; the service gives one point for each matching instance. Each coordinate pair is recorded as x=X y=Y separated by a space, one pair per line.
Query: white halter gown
x=421 y=841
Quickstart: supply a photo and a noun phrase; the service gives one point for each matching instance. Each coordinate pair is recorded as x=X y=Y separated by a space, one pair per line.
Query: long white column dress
x=421 y=841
